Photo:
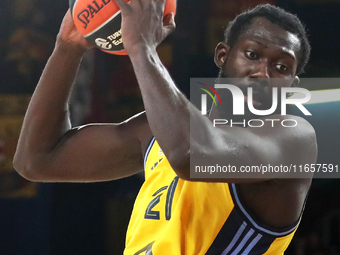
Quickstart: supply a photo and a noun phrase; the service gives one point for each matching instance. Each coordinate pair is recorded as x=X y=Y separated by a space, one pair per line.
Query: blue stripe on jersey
x=148 y=150
x=242 y=244
x=252 y=244
x=271 y=231
x=237 y=237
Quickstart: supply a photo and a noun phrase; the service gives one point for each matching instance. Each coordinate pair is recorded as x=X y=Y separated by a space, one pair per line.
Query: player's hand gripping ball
x=99 y=21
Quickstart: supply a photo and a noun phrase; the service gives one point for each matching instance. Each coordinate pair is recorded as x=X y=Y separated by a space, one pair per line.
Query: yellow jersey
x=172 y=216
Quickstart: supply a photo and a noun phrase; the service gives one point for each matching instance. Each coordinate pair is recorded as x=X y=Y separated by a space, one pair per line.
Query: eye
x=251 y=55
x=281 y=67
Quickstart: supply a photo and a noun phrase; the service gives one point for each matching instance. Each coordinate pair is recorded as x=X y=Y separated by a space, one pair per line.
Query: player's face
x=261 y=54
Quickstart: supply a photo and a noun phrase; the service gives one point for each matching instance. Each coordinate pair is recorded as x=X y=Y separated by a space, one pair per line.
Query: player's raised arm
x=169 y=112
x=49 y=150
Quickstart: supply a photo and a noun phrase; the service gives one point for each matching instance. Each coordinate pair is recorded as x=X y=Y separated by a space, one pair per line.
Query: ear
x=296 y=81
x=221 y=54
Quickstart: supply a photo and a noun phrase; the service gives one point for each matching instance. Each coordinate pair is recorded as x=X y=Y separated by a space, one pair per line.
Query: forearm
x=47 y=117
x=167 y=109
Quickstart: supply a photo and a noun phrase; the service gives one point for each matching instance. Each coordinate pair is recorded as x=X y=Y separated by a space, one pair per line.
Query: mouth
x=256 y=101
x=258 y=93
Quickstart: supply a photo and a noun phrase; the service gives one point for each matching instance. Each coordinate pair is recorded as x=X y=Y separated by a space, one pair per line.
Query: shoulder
x=300 y=137
x=138 y=126
x=293 y=134
x=290 y=124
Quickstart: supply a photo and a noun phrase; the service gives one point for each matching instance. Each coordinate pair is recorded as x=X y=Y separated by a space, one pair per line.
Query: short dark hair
x=278 y=16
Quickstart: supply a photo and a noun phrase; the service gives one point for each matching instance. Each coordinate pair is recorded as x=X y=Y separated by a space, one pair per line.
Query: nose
x=260 y=70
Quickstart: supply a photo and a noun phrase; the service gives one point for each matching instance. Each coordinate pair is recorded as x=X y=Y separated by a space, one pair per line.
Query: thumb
x=169 y=23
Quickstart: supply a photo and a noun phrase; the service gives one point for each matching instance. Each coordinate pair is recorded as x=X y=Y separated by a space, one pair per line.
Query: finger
x=121 y=4
x=169 y=23
x=67 y=15
x=169 y=20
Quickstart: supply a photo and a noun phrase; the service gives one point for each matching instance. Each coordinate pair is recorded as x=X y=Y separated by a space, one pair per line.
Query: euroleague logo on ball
x=99 y=21
x=88 y=14
x=103 y=43
x=113 y=40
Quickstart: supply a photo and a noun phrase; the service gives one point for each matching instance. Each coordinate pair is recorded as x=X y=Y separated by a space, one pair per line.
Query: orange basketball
x=99 y=21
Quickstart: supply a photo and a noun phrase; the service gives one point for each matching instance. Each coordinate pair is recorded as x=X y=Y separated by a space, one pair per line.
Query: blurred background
x=51 y=219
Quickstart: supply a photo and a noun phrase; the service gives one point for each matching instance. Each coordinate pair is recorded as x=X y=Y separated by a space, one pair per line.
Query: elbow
x=182 y=173
x=19 y=166
x=180 y=163
x=26 y=169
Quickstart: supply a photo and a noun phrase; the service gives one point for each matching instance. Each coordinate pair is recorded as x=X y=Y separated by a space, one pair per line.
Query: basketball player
x=174 y=214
